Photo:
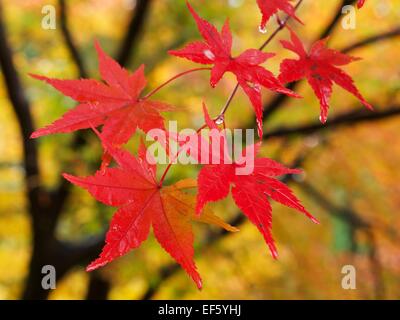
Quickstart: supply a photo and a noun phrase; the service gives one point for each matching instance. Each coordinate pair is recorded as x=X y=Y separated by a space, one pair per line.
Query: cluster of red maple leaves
x=117 y=104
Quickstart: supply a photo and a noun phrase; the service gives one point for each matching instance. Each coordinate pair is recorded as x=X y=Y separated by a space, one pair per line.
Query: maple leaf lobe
x=360 y=3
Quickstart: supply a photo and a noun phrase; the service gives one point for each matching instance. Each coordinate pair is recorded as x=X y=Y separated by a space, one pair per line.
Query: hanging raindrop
x=219 y=120
x=262 y=29
x=209 y=54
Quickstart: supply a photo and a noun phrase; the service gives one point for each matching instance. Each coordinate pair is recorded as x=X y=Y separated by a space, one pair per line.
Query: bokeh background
x=351 y=179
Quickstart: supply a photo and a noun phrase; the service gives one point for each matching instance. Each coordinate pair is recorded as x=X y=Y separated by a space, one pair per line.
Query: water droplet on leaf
x=262 y=29
x=220 y=120
x=209 y=54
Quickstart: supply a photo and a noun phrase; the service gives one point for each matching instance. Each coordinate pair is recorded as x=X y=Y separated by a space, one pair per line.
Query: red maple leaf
x=270 y=7
x=115 y=104
x=360 y=3
x=250 y=191
x=321 y=69
x=142 y=202
x=216 y=50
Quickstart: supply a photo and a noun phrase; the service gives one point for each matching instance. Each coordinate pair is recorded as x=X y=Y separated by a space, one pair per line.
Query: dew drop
x=312 y=141
x=262 y=29
x=209 y=54
x=322 y=119
x=219 y=121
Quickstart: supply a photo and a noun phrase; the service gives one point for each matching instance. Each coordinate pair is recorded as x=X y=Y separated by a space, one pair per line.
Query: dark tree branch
x=349 y=118
x=46 y=248
x=374 y=39
x=344 y=213
x=98 y=287
x=22 y=111
x=45 y=207
x=134 y=30
x=82 y=252
x=38 y=201
x=69 y=41
x=332 y=25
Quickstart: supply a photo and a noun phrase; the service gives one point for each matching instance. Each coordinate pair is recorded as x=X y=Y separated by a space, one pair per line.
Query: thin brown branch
x=39 y=204
x=45 y=246
x=82 y=252
x=344 y=213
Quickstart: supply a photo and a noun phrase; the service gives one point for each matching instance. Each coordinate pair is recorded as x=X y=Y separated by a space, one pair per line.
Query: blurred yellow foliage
x=355 y=167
